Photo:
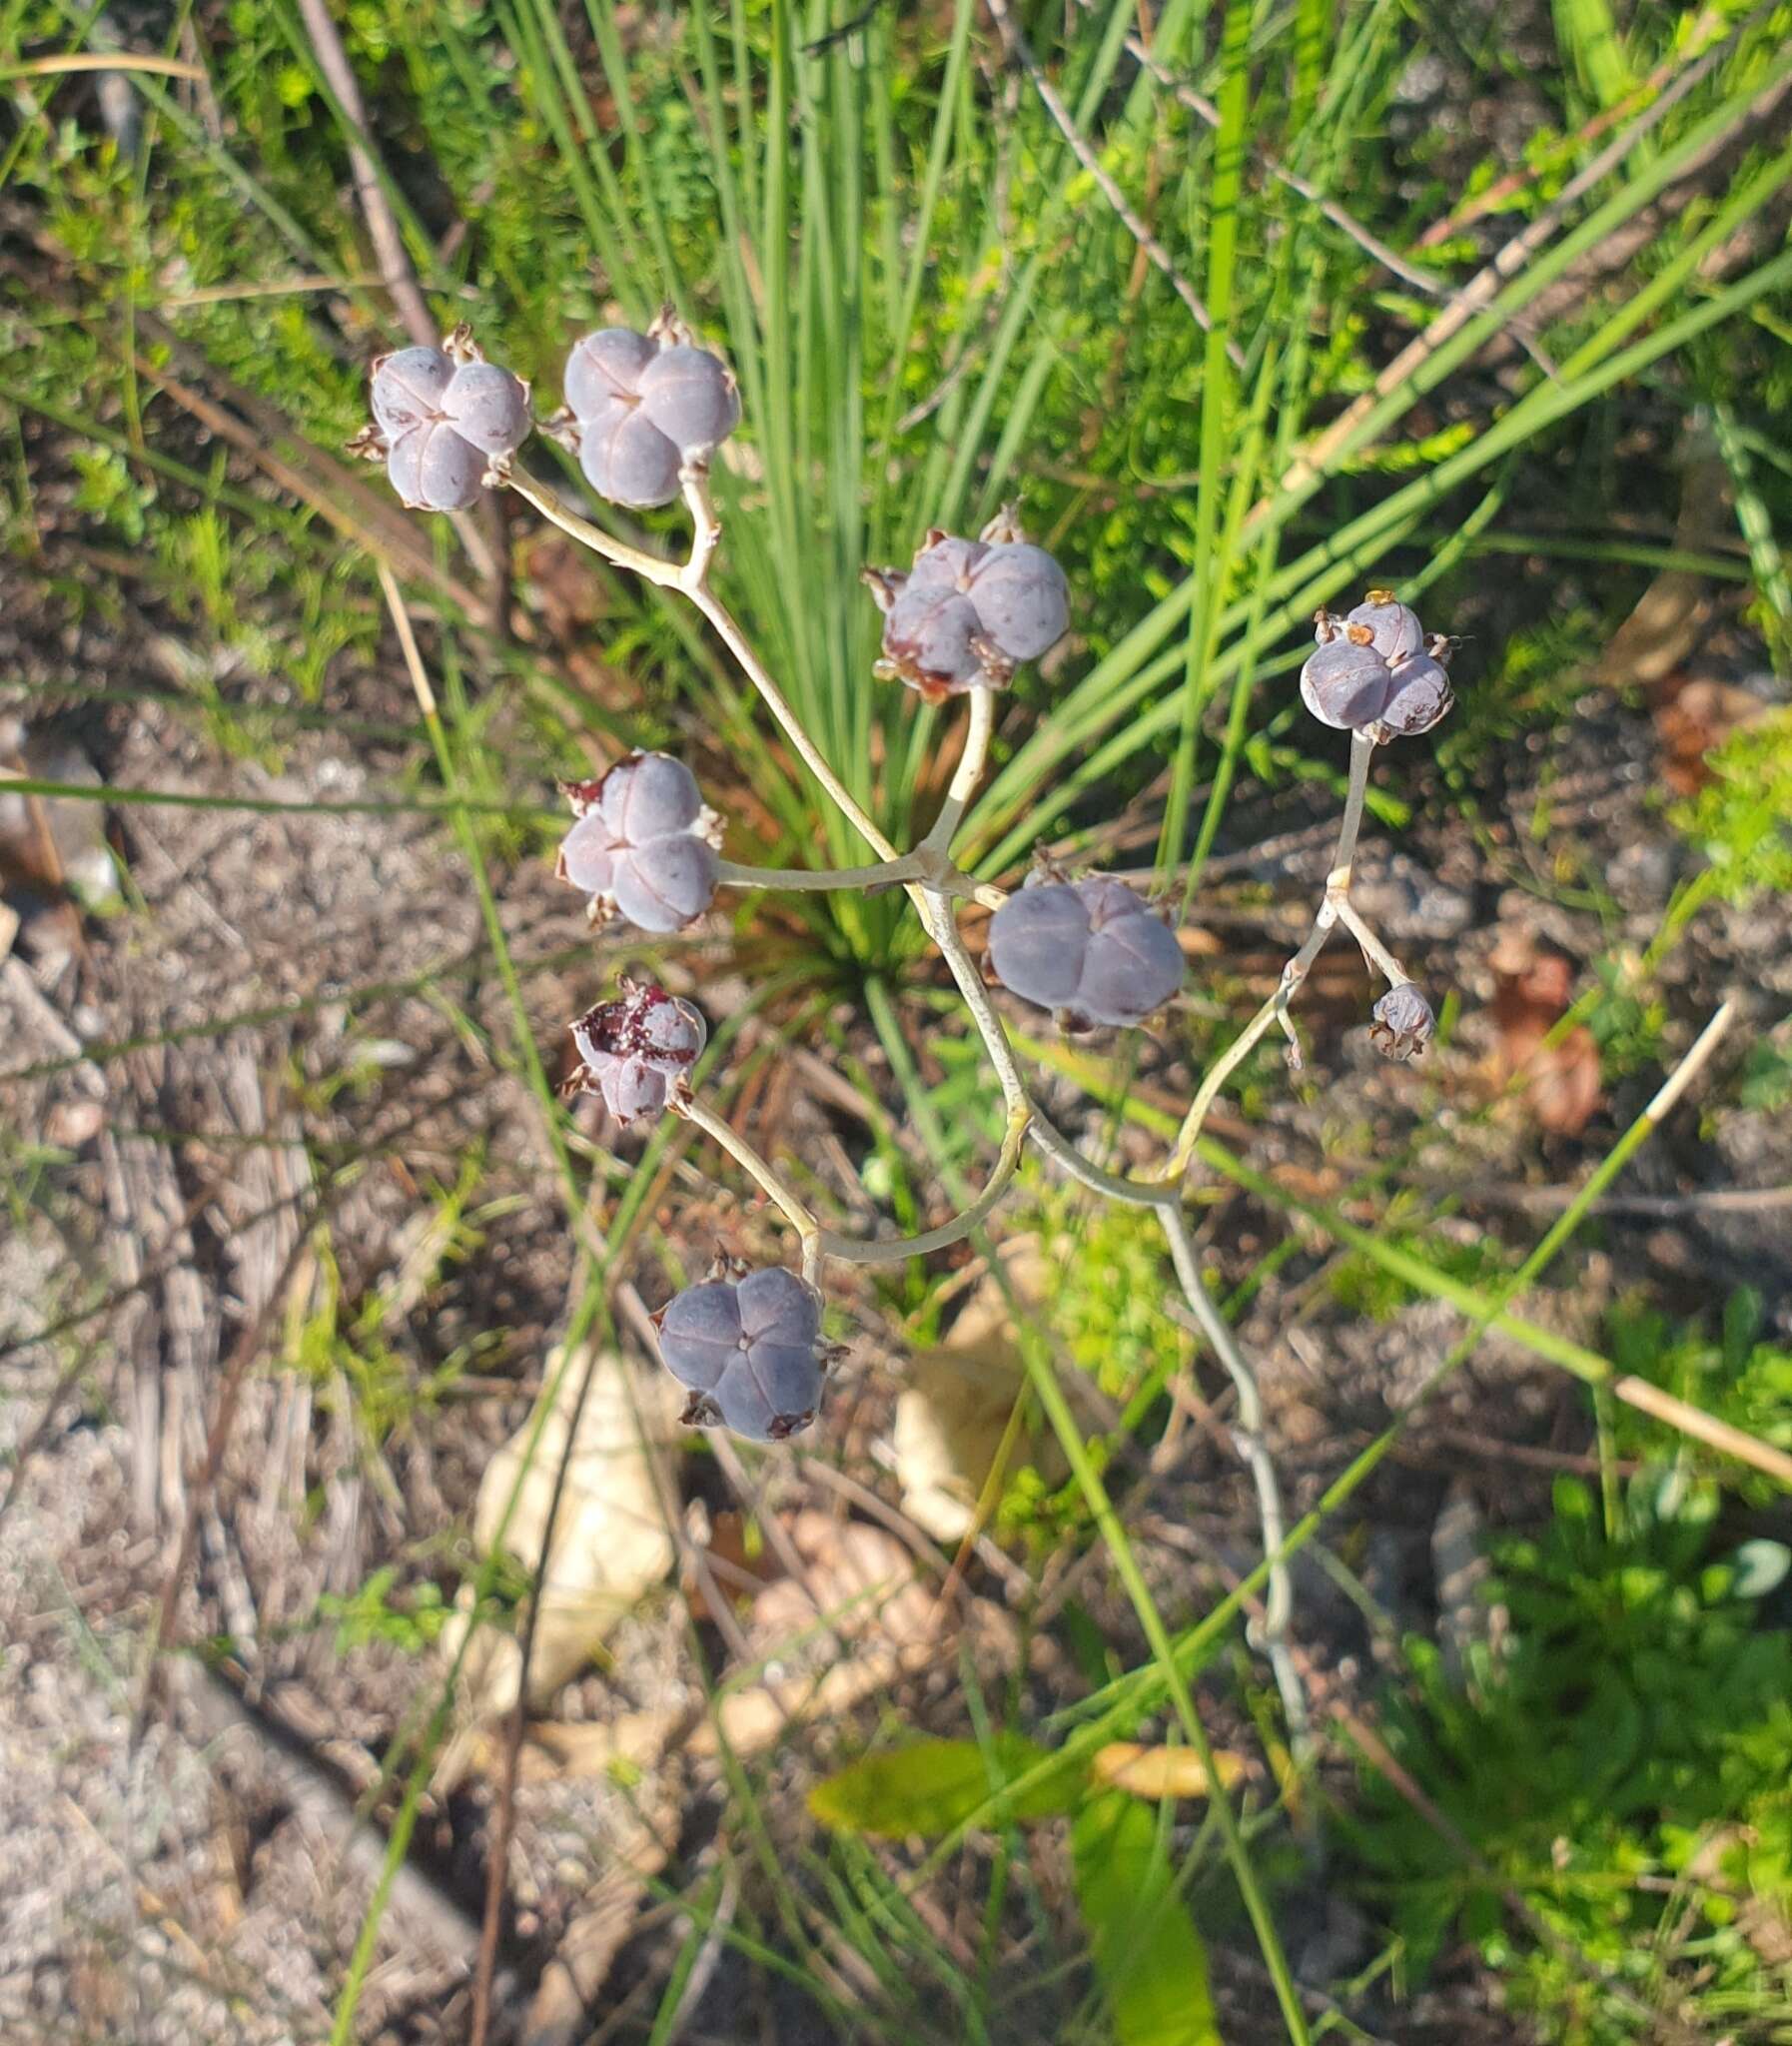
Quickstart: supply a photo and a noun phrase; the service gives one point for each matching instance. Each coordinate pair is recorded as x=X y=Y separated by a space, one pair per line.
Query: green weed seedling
x=1621 y=1761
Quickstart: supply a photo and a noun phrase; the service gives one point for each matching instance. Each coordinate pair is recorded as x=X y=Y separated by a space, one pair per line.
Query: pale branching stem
x=750 y=665
x=1374 y=950
x=693 y=580
x=909 y=868
x=812 y=880
x=894 y=1250
x=705 y=527
x=931 y=882
x=1166 y=1204
x=691 y=577
x=967 y=773
x=1275 y=1011
x=762 y=1172
x=649 y=568
x=942 y=927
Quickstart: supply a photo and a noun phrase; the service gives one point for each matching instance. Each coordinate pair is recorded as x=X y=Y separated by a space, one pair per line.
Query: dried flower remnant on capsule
x=643 y=407
x=967 y=613
x=1394 y=629
x=1091 y=950
x=643 y=844
x=747 y=1344
x=1403 y=1024
x=636 y=1052
x=444 y=420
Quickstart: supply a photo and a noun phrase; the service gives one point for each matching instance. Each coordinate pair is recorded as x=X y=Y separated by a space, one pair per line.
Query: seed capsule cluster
x=642 y=411
x=638 y=1051
x=1375 y=670
x=642 y=407
x=1092 y=950
x=968 y=612
x=441 y=416
x=643 y=414
x=748 y=1346
x=643 y=845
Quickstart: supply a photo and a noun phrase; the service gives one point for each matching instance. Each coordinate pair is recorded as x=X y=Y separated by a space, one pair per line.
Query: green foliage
x=1737 y=1377
x=1766 y=1083
x=1623 y=1762
x=1150 y=1961
x=370 y=1614
x=1743 y=818
x=1148 y=1957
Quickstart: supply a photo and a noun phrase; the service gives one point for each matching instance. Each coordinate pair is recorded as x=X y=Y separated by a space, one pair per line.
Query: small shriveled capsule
x=637 y=1051
x=1403 y=1023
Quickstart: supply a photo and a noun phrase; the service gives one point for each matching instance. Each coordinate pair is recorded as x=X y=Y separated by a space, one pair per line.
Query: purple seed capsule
x=643 y=845
x=1394 y=629
x=1021 y=598
x=700 y=1334
x=1037 y=940
x=689 y=394
x=638 y=1051
x=588 y=855
x=1132 y=963
x=927 y=639
x=776 y=1304
x=751 y=1351
x=407 y=387
x=604 y=366
x=1345 y=684
x=434 y=469
x=1420 y=699
x=1089 y=949
x=665 y=884
x=489 y=407
x=649 y=795
x=944 y=559
x=625 y=457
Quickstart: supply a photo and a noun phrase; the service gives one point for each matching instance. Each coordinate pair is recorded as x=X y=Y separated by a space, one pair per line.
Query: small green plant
x=1737 y=1374
x=1743 y=818
x=370 y=1614
x=1622 y=1764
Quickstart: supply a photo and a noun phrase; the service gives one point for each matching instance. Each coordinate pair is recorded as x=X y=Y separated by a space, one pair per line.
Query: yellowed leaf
x=1157 y=1772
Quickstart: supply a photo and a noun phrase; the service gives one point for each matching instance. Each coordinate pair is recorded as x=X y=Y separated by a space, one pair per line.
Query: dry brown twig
x=1085 y=153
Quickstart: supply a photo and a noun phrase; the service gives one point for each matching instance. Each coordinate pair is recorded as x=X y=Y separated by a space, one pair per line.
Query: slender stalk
x=1166 y=1204
x=1274 y=1010
x=1374 y=950
x=967 y=774
x=761 y=1171
x=810 y=880
x=907 y=869
x=849 y=1250
x=693 y=580
x=663 y=575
